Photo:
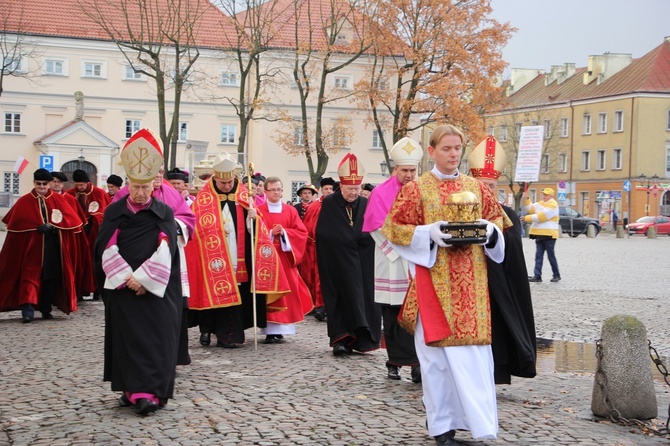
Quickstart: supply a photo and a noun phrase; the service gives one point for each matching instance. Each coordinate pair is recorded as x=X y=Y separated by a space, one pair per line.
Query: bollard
x=651 y=232
x=590 y=231
x=527 y=229
x=619 y=232
x=626 y=369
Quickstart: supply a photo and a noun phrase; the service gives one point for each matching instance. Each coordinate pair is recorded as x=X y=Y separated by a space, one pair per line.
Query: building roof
x=66 y=18
x=648 y=74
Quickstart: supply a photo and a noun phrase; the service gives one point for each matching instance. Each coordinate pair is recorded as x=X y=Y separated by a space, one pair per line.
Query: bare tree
x=16 y=48
x=157 y=38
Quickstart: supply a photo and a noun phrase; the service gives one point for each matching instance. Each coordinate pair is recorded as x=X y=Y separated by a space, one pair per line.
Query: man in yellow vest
x=544 y=228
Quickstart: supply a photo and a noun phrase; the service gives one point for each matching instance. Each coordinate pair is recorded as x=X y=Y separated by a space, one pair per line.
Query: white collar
x=442 y=176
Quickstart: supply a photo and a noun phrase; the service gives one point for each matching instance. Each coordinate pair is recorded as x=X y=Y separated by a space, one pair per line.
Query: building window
x=229 y=79
x=667 y=160
x=55 y=67
x=617 y=160
x=544 y=164
x=562 y=162
x=228 y=133
x=183 y=131
x=602 y=122
x=584 y=204
x=565 y=129
x=586 y=161
x=586 y=125
x=547 y=129
x=517 y=130
x=92 y=69
x=376 y=140
x=130 y=74
x=600 y=159
x=298 y=136
x=618 y=121
x=339 y=138
x=15 y=66
x=534 y=122
x=491 y=131
x=12 y=122
x=295 y=185
x=132 y=125
x=503 y=133
x=10 y=182
x=343 y=82
x=667 y=125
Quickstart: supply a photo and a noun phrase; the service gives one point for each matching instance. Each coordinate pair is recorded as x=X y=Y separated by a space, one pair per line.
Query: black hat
x=245 y=181
x=327 y=181
x=115 y=180
x=42 y=175
x=59 y=176
x=177 y=174
x=368 y=187
x=259 y=177
x=80 y=176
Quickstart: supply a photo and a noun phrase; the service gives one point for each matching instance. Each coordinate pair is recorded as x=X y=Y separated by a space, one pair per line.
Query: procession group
x=382 y=270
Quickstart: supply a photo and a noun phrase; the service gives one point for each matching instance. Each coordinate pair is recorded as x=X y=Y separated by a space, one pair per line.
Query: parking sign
x=47 y=162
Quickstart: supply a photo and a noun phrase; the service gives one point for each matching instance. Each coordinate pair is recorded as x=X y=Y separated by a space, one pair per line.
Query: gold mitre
x=226 y=166
x=488 y=159
x=406 y=152
x=142 y=156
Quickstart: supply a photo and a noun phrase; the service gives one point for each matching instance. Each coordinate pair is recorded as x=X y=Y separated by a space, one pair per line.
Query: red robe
x=298 y=302
x=84 y=270
x=22 y=254
x=309 y=270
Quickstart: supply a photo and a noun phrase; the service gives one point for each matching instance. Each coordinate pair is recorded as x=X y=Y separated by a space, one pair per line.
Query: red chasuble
x=84 y=269
x=210 y=273
x=22 y=254
x=292 y=307
x=309 y=269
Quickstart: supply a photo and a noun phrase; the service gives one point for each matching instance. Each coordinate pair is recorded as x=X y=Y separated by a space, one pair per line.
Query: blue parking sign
x=47 y=162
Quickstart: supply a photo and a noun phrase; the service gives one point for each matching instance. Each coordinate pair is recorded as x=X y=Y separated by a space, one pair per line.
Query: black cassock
x=346 y=260
x=141 y=332
x=512 y=320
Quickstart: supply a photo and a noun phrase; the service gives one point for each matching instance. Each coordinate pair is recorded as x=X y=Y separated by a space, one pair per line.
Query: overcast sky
x=553 y=32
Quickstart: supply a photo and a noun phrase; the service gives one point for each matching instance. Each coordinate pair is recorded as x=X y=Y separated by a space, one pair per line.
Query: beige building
x=64 y=53
x=604 y=124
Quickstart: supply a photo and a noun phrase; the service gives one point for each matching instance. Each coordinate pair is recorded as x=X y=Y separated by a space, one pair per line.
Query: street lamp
x=81 y=159
x=384 y=167
x=642 y=178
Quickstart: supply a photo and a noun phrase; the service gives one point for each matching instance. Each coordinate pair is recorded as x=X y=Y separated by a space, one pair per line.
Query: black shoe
x=447 y=439
x=205 y=338
x=320 y=316
x=144 y=406
x=26 y=319
x=124 y=401
x=47 y=316
x=339 y=349
x=555 y=279
x=393 y=372
x=227 y=344
x=416 y=374
x=96 y=295
x=535 y=279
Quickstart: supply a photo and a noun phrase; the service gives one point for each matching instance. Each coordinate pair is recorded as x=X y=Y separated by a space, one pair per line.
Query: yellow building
x=604 y=124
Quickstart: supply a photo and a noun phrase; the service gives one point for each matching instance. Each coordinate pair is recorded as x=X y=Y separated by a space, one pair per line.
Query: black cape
x=141 y=332
x=512 y=320
x=346 y=260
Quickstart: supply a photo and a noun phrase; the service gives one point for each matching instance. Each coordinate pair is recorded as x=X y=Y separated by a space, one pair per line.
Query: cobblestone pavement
x=298 y=393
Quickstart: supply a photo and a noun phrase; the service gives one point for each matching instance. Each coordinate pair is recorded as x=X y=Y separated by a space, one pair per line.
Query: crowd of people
x=379 y=264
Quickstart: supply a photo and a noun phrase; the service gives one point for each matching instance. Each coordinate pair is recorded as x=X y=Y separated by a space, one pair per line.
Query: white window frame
x=602 y=122
x=562 y=162
x=131 y=126
x=11 y=182
x=565 y=127
x=544 y=163
x=601 y=159
x=343 y=82
x=340 y=138
x=491 y=131
x=517 y=130
x=10 y=121
x=183 y=132
x=667 y=123
x=547 y=128
x=586 y=161
x=617 y=158
x=129 y=74
x=225 y=134
x=667 y=160
x=16 y=65
x=376 y=140
x=586 y=124
x=55 y=60
x=93 y=63
x=617 y=123
x=503 y=133
x=229 y=78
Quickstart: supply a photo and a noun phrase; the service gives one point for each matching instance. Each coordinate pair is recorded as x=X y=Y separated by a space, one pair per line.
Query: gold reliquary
x=462 y=212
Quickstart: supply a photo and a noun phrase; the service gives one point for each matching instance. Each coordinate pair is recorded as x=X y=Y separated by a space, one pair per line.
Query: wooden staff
x=253 y=254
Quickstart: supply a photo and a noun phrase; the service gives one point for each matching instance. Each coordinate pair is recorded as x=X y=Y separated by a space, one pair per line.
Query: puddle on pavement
x=566 y=356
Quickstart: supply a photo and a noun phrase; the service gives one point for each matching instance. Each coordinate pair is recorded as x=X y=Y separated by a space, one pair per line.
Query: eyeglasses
x=274 y=190
x=41 y=183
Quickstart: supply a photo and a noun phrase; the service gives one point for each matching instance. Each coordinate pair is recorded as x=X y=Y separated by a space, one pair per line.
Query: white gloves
x=437 y=235
x=490 y=228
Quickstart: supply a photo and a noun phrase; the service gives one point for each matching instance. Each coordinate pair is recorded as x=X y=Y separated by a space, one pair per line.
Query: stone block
x=627 y=366
x=651 y=232
x=590 y=231
x=619 y=232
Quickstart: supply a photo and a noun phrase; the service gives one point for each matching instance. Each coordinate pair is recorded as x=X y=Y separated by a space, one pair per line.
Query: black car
x=574 y=223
